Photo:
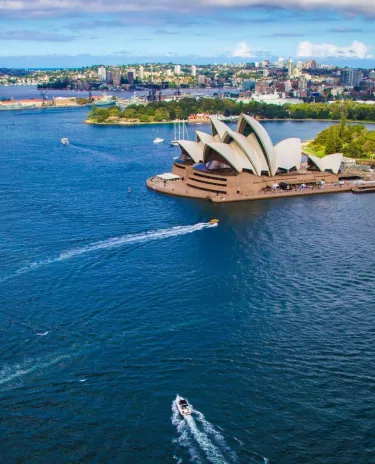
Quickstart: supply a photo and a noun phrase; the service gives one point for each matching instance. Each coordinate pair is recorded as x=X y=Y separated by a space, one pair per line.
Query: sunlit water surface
x=112 y=302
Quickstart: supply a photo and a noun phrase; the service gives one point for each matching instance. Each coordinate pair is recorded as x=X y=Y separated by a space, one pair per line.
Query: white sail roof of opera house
x=249 y=148
x=264 y=140
x=218 y=128
x=203 y=137
x=236 y=158
x=288 y=154
x=193 y=149
x=328 y=162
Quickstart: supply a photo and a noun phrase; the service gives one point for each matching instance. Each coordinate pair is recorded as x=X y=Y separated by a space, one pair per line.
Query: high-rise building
x=288 y=86
x=194 y=70
x=372 y=75
x=299 y=65
x=248 y=84
x=141 y=73
x=109 y=79
x=281 y=62
x=314 y=64
x=302 y=83
x=116 y=77
x=290 y=67
x=177 y=69
x=307 y=64
x=102 y=73
x=131 y=77
x=351 y=77
x=201 y=79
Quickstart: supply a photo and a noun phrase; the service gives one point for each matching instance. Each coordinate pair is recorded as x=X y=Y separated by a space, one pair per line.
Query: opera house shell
x=244 y=161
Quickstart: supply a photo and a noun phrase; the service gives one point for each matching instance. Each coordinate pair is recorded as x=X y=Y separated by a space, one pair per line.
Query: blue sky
x=68 y=33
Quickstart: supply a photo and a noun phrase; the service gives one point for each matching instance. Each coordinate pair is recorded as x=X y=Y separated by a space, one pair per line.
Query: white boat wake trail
x=8 y=374
x=203 y=442
x=113 y=242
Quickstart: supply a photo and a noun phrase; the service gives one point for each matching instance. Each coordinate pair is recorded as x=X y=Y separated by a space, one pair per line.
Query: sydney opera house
x=241 y=163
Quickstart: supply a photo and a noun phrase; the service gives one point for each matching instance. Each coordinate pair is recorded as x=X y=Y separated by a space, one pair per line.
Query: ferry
x=183 y=406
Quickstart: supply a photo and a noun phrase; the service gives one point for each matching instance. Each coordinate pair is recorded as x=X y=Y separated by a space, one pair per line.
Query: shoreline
x=126 y=123
x=181 y=192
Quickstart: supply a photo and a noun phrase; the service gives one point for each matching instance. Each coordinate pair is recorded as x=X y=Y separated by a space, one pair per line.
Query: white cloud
x=242 y=50
x=354 y=50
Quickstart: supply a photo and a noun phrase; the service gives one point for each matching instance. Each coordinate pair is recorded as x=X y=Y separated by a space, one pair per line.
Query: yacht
x=180 y=129
x=183 y=406
x=65 y=141
x=158 y=140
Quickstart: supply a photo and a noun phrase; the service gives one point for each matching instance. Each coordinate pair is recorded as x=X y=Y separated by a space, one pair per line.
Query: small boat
x=65 y=141
x=158 y=140
x=183 y=406
x=214 y=221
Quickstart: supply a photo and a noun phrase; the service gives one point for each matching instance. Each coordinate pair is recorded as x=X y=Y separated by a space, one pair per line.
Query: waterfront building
x=201 y=79
x=193 y=70
x=131 y=77
x=109 y=79
x=243 y=162
x=102 y=73
x=116 y=77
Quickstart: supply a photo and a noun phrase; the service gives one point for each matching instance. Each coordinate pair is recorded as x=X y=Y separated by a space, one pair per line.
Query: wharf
x=364 y=188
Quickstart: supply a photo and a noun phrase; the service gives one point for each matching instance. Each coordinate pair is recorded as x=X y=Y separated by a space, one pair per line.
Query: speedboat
x=183 y=406
x=158 y=140
x=65 y=141
x=214 y=221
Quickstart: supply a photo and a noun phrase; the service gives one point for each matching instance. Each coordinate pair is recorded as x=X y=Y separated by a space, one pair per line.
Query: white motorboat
x=183 y=406
x=158 y=140
x=65 y=141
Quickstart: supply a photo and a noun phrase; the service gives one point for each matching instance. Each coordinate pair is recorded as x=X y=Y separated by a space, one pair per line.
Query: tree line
x=354 y=140
x=171 y=110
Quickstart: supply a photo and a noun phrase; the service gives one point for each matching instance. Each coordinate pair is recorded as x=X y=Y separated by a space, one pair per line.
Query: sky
x=74 y=33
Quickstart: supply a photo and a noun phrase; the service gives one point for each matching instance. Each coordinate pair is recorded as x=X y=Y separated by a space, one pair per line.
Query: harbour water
x=112 y=302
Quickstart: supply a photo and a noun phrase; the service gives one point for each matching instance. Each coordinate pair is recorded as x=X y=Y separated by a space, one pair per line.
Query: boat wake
x=11 y=373
x=113 y=242
x=202 y=440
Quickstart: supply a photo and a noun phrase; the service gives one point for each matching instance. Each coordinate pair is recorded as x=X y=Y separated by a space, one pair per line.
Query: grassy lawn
x=318 y=153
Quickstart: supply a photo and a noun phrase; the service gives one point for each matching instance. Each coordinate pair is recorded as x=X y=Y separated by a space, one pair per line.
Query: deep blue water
x=113 y=302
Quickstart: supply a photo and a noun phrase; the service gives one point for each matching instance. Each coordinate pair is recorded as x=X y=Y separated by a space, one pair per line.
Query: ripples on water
x=265 y=323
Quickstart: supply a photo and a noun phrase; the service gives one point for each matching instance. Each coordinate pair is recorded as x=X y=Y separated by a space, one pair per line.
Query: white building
x=281 y=62
x=102 y=73
x=141 y=72
x=193 y=70
x=177 y=70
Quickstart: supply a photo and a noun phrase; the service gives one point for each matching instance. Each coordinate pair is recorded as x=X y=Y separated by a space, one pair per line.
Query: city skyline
x=71 y=33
